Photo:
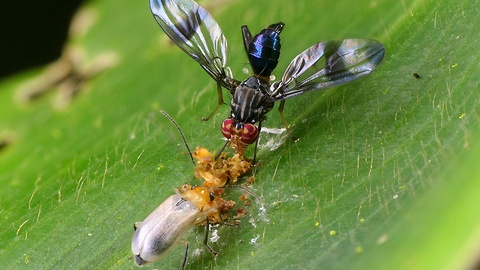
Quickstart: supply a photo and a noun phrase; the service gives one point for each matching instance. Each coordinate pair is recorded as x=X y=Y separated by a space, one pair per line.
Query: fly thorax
x=247 y=104
x=248 y=100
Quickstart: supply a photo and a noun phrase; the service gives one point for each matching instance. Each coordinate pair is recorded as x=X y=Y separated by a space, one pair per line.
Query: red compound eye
x=227 y=126
x=249 y=134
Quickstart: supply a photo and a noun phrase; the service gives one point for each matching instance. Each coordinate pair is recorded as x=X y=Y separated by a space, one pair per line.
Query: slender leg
x=223 y=149
x=205 y=241
x=220 y=102
x=247 y=37
x=256 y=143
x=184 y=261
x=280 y=109
x=244 y=189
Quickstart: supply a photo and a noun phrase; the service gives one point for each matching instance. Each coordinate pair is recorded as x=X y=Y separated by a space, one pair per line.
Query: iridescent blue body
x=264 y=50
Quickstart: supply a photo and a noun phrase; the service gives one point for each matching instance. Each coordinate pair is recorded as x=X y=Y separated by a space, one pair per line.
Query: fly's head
x=247 y=133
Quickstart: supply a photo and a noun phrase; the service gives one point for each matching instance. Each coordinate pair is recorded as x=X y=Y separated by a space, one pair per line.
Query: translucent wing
x=195 y=31
x=328 y=64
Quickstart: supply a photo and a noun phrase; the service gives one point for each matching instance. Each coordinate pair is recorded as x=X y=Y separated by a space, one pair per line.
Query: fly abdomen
x=264 y=50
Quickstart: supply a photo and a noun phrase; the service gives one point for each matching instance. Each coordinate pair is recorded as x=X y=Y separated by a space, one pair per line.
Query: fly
x=323 y=65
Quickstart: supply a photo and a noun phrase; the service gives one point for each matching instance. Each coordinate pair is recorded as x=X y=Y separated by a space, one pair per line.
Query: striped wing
x=327 y=64
x=197 y=33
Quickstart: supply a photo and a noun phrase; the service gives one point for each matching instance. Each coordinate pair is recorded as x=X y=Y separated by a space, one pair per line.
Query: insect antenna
x=244 y=189
x=181 y=134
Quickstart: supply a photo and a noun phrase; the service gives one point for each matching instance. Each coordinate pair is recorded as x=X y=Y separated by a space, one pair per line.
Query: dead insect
x=190 y=206
x=167 y=224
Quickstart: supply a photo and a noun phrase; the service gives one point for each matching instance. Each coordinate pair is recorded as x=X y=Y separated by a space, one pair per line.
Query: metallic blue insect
x=321 y=66
x=263 y=50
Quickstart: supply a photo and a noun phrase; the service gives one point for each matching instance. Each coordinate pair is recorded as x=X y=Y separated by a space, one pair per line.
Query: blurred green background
x=385 y=175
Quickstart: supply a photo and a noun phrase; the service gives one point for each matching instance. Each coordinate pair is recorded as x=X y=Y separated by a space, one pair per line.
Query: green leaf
x=385 y=175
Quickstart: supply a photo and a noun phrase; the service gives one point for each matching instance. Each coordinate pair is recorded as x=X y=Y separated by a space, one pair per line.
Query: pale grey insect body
x=159 y=232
